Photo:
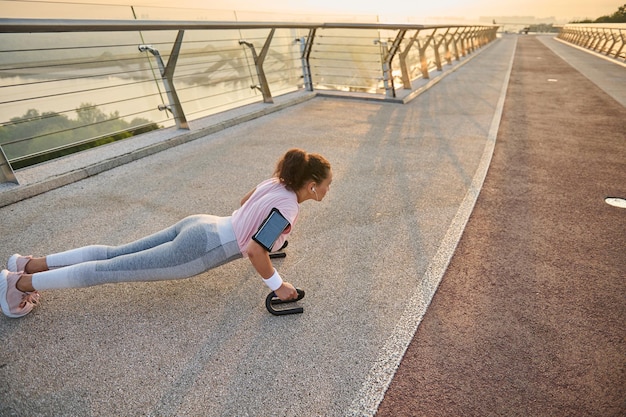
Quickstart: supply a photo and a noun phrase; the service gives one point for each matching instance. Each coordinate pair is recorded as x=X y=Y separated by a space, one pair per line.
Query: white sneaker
x=15 y=303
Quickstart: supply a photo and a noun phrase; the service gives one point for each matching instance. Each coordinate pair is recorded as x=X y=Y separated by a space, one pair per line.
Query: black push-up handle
x=272 y=300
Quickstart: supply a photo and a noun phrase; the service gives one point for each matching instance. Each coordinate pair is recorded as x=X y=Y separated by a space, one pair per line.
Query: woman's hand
x=286 y=292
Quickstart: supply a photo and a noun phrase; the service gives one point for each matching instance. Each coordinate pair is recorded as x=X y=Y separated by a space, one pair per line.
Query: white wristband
x=274 y=282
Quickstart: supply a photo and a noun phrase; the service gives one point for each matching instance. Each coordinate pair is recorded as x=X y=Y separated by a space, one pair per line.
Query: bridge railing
x=607 y=39
x=69 y=83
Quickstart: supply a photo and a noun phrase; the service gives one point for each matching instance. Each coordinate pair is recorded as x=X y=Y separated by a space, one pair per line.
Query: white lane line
x=381 y=374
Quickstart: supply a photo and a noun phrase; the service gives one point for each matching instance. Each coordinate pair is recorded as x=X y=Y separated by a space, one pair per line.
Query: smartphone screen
x=270 y=229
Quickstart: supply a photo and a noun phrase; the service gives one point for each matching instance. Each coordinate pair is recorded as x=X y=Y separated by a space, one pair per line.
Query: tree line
x=51 y=135
x=618 y=17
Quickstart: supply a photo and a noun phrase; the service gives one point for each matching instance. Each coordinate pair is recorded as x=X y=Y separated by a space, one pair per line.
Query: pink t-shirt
x=268 y=194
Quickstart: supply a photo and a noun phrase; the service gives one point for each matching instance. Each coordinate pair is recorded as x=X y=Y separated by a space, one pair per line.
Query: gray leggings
x=190 y=247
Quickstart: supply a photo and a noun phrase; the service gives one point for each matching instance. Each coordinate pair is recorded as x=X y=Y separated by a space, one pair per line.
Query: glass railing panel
x=282 y=65
x=60 y=89
x=347 y=60
x=213 y=72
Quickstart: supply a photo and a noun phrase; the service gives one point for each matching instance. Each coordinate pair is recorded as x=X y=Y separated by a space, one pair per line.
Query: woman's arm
x=260 y=260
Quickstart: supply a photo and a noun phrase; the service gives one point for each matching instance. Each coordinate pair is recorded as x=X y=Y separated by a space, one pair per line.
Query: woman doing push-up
x=193 y=245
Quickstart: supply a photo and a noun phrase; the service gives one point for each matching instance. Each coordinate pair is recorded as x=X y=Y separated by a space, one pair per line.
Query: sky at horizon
x=566 y=10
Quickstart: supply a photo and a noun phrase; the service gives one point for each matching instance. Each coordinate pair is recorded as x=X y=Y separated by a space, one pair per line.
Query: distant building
x=521 y=24
x=518 y=20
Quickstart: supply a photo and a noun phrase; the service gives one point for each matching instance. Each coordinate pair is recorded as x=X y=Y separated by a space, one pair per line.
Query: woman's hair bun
x=297 y=166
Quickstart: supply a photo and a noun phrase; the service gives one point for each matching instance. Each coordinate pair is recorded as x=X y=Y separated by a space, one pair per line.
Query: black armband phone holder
x=271 y=229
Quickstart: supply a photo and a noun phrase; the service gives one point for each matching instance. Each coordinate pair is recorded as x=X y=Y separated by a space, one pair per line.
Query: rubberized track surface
x=530 y=316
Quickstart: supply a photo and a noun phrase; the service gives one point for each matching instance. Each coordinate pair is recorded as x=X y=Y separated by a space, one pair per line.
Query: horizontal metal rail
x=94 y=25
x=126 y=76
x=609 y=40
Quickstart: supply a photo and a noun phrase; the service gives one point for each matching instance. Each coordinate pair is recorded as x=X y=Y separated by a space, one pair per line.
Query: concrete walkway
x=370 y=258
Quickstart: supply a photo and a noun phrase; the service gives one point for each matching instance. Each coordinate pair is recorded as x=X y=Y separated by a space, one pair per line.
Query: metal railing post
x=167 y=76
x=472 y=40
x=479 y=36
x=582 y=33
x=573 y=34
x=462 y=41
x=601 y=37
x=597 y=38
x=455 y=40
x=581 y=37
x=306 y=45
x=436 y=45
x=258 y=63
x=605 y=38
x=619 y=51
x=589 y=36
x=446 y=45
x=610 y=48
x=395 y=47
x=387 y=79
x=404 y=67
x=485 y=36
x=6 y=172
x=423 y=60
